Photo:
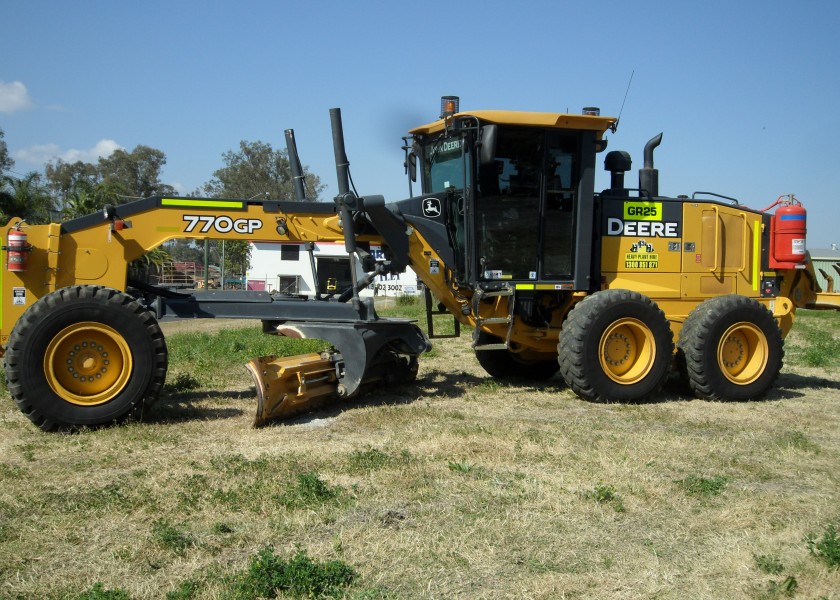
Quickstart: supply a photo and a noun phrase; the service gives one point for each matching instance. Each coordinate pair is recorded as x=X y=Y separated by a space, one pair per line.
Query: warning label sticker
x=19 y=296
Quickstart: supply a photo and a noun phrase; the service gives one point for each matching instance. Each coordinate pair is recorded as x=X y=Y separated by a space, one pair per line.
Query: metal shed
x=827 y=264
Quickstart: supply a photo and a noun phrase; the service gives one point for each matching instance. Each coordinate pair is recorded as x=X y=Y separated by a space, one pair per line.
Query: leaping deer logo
x=431 y=207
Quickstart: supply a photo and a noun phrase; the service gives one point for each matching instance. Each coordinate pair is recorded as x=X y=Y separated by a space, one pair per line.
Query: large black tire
x=85 y=356
x=616 y=346
x=504 y=364
x=731 y=349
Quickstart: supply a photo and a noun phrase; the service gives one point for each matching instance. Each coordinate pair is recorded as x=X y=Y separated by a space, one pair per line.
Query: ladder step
x=496 y=293
x=491 y=347
x=494 y=320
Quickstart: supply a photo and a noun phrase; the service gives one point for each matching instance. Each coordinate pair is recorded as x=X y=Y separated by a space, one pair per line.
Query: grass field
x=458 y=486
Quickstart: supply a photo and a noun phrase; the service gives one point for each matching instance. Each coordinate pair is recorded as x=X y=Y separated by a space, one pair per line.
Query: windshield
x=446 y=169
x=443 y=164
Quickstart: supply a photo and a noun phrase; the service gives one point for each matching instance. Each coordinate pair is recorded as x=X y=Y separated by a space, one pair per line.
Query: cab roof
x=528 y=119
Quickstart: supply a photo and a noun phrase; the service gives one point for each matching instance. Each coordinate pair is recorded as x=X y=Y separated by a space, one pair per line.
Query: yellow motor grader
x=508 y=235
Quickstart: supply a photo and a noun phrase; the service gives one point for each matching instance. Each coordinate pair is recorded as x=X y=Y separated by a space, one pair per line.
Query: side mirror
x=489 y=137
x=411 y=165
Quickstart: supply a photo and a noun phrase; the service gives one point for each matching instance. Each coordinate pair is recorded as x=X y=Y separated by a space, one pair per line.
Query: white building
x=286 y=268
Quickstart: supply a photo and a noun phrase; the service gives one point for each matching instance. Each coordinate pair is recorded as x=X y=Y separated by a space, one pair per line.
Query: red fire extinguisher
x=790 y=232
x=17 y=250
x=787 y=231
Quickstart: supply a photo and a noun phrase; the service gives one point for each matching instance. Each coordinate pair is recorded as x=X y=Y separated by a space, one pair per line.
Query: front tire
x=85 y=356
x=615 y=346
x=732 y=349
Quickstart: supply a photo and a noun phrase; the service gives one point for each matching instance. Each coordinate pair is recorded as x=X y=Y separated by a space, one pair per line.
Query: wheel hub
x=743 y=353
x=733 y=350
x=627 y=351
x=88 y=363
x=618 y=349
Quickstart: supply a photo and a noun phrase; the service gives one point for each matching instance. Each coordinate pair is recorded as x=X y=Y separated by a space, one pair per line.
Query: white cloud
x=40 y=154
x=14 y=97
x=103 y=148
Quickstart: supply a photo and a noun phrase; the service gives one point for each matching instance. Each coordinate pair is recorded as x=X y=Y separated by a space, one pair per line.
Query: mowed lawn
x=457 y=486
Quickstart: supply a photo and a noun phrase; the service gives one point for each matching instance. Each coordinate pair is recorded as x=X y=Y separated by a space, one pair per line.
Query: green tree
x=237 y=257
x=66 y=179
x=186 y=250
x=81 y=188
x=25 y=198
x=6 y=161
x=257 y=170
x=151 y=262
x=86 y=199
x=136 y=173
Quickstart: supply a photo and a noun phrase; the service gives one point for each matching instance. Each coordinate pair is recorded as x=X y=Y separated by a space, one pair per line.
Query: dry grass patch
x=456 y=487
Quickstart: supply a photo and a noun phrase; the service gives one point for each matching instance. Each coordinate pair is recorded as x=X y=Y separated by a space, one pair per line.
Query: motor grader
x=614 y=289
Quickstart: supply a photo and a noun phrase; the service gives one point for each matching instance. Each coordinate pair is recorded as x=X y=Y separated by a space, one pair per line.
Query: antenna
x=621 y=110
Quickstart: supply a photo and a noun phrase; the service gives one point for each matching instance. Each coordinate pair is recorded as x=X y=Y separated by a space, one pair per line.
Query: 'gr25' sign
x=642 y=218
x=221 y=224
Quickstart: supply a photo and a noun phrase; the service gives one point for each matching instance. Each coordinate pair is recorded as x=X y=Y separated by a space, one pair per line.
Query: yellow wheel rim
x=88 y=363
x=742 y=353
x=627 y=351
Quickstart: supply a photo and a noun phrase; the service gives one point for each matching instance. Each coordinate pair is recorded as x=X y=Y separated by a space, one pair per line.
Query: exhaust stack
x=648 y=176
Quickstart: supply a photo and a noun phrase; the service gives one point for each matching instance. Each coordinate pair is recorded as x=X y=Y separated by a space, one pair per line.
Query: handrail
x=714 y=266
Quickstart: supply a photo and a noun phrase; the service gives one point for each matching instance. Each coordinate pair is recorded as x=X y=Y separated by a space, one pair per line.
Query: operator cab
x=516 y=191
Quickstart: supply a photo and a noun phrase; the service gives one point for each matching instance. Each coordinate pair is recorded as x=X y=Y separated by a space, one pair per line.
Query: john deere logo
x=431 y=207
x=642 y=211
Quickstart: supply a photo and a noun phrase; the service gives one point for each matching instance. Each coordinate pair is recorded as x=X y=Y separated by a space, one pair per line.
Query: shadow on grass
x=180 y=407
x=184 y=406
x=435 y=384
x=177 y=407
x=791 y=382
x=787 y=386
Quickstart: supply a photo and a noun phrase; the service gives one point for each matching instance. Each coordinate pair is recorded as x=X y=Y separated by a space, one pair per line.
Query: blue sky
x=746 y=93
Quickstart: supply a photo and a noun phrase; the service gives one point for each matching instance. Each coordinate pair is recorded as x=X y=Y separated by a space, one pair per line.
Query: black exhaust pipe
x=342 y=165
x=346 y=201
x=648 y=176
x=298 y=179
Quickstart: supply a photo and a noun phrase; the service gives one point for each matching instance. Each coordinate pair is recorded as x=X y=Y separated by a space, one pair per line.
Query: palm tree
x=148 y=264
x=86 y=199
x=24 y=198
x=79 y=202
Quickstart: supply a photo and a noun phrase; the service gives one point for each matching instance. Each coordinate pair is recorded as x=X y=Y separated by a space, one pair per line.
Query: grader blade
x=291 y=385
x=363 y=353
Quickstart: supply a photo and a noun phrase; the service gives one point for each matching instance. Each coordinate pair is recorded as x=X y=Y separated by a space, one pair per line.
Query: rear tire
x=732 y=349
x=85 y=356
x=504 y=364
x=616 y=346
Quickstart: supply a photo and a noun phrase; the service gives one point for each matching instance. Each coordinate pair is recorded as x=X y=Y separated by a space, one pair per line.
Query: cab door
x=507 y=207
x=560 y=192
